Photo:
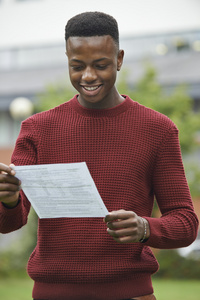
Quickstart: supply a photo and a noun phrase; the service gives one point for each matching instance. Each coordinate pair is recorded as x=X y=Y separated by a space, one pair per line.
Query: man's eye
x=77 y=68
x=101 y=67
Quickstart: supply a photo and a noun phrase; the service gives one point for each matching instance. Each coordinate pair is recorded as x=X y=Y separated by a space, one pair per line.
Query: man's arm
x=9 y=186
x=13 y=211
x=178 y=224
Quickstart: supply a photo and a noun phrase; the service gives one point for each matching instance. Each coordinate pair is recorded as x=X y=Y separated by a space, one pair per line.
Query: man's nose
x=89 y=75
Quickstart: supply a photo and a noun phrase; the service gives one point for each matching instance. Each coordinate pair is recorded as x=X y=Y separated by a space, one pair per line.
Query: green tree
x=55 y=94
x=13 y=260
x=179 y=107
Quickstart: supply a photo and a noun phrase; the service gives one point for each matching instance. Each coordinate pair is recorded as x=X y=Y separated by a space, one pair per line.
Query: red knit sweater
x=133 y=155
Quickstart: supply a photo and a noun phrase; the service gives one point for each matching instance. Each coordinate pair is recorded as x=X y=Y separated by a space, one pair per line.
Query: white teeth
x=91 y=88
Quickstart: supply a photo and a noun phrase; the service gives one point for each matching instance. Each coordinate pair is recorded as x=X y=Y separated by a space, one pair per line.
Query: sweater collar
x=99 y=113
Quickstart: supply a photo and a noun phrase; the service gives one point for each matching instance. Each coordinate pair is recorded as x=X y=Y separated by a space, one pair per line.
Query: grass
x=21 y=289
x=166 y=289
x=16 y=288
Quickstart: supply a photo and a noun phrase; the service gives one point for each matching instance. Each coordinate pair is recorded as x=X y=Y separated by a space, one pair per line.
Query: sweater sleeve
x=178 y=224
x=24 y=153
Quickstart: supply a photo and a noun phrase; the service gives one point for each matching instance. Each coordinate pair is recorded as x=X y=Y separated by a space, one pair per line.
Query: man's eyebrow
x=76 y=60
x=100 y=59
x=96 y=60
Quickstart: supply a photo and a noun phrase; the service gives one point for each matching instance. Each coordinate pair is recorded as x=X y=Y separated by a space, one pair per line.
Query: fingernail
x=12 y=172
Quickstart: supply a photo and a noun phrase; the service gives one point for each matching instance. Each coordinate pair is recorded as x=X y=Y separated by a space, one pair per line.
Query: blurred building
x=26 y=69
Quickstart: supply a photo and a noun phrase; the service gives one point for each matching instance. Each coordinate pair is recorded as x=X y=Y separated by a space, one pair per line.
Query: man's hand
x=126 y=226
x=9 y=186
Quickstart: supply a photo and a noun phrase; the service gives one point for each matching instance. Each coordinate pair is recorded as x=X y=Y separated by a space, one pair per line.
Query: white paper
x=61 y=190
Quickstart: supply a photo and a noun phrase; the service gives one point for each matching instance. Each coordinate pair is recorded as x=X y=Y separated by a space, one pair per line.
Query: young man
x=133 y=155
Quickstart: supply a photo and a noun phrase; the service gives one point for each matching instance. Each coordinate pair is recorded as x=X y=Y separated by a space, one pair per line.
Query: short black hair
x=89 y=24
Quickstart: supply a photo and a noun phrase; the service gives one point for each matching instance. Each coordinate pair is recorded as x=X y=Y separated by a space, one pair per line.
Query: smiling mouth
x=91 y=88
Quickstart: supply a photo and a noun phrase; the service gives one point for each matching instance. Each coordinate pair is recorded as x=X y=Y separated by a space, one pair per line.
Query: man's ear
x=120 y=57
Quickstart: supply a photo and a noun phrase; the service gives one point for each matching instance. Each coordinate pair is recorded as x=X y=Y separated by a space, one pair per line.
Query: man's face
x=93 y=65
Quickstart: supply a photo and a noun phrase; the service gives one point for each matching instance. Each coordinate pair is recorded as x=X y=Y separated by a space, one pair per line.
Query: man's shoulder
x=149 y=117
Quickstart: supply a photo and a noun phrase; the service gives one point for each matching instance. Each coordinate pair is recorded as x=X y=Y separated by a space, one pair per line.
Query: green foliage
x=172 y=265
x=178 y=106
x=13 y=261
x=193 y=177
x=54 y=95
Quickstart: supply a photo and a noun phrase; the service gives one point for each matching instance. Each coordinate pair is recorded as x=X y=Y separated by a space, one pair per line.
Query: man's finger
x=6 y=169
x=120 y=214
x=125 y=239
x=122 y=224
x=13 y=171
x=5 y=178
x=122 y=232
x=9 y=187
